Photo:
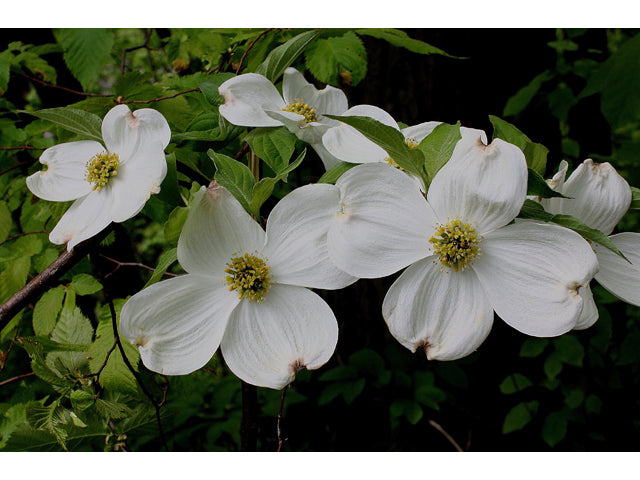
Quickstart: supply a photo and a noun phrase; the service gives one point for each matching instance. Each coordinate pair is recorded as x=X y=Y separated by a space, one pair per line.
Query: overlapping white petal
x=216 y=228
x=266 y=343
x=599 y=196
x=485 y=185
x=64 y=178
x=328 y=101
x=532 y=274
x=589 y=314
x=296 y=245
x=382 y=223
x=620 y=277
x=246 y=99
x=447 y=315
x=178 y=324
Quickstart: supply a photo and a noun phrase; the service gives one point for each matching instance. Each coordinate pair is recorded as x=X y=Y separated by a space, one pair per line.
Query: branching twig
x=5 y=355
x=162 y=98
x=17 y=165
x=280 y=439
x=131 y=264
x=51 y=85
x=446 y=435
x=157 y=406
x=30 y=374
x=47 y=277
x=250 y=47
x=24 y=147
x=132 y=49
x=104 y=364
x=245 y=148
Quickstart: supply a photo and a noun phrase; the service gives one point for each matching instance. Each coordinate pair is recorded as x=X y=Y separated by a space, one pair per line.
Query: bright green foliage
x=283 y=56
x=338 y=60
x=45 y=313
x=437 y=147
x=77 y=121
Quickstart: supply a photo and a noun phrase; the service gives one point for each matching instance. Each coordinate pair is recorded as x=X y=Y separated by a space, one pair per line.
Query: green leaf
x=174 y=224
x=535 y=211
x=554 y=428
x=618 y=82
x=86 y=51
x=283 y=56
x=334 y=173
x=85 y=284
x=514 y=383
x=337 y=60
x=339 y=373
x=635 y=198
x=76 y=121
x=169 y=191
x=536 y=185
x=235 y=177
x=5 y=65
x=5 y=221
x=532 y=347
x=398 y=38
x=351 y=390
x=165 y=260
x=273 y=145
x=569 y=350
x=536 y=156
x=553 y=365
x=429 y=395
x=519 y=416
x=518 y=102
x=508 y=132
x=593 y=404
x=438 y=146
x=45 y=313
x=574 y=398
x=13 y=277
x=390 y=140
x=367 y=361
x=210 y=88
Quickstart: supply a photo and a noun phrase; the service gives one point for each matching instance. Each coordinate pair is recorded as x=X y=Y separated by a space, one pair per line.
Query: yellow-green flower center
x=457 y=244
x=298 y=106
x=249 y=276
x=101 y=168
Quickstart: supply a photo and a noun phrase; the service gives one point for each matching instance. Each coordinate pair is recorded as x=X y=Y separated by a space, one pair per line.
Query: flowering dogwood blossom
x=599 y=197
x=109 y=183
x=246 y=291
x=467 y=259
x=251 y=100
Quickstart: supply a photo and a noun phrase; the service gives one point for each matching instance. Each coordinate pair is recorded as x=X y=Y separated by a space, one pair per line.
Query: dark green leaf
x=536 y=185
x=532 y=347
x=281 y=57
x=553 y=365
x=5 y=221
x=514 y=383
x=235 y=177
x=165 y=260
x=367 y=361
x=174 y=224
x=574 y=398
x=523 y=97
x=519 y=416
x=635 y=199
x=45 y=313
x=338 y=60
x=169 y=191
x=554 y=428
x=86 y=51
x=398 y=38
x=536 y=156
x=273 y=145
x=351 y=390
x=210 y=88
x=508 y=132
x=334 y=173
x=76 y=121
x=438 y=146
x=569 y=350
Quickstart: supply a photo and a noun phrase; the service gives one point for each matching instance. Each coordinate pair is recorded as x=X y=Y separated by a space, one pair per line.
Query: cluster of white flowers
x=247 y=289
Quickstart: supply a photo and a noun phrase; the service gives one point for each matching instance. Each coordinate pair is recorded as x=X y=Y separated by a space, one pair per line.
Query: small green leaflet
x=334 y=173
x=514 y=383
x=536 y=185
x=438 y=147
x=274 y=145
x=519 y=416
x=390 y=140
x=281 y=57
x=534 y=211
x=167 y=259
x=398 y=38
x=76 y=121
x=535 y=153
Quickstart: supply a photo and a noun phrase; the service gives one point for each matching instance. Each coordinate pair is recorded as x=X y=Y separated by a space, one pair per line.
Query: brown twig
x=104 y=364
x=24 y=147
x=245 y=148
x=446 y=435
x=250 y=47
x=18 y=165
x=123 y=63
x=51 y=85
x=4 y=356
x=131 y=264
x=30 y=374
x=22 y=235
x=49 y=275
x=162 y=98
x=280 y=439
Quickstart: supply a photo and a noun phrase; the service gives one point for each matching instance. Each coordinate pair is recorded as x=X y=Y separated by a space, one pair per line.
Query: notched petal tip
x=297 y=365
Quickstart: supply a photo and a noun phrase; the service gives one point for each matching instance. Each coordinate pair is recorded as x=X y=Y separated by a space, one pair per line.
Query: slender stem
x=17 y=165
x=249 y=429
x=24 y=147
x=47 y=277
x=281 y=440
x=254 y=165
x=30 y=374
x=250 y=47
x=104 y=364
x=162 y=98
x=446 y=435
x=46 y=84
x=22 y=235
x=131 y=264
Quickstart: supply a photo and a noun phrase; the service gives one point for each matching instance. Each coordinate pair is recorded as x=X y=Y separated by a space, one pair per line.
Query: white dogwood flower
x=109 y=183
x=467 y=259
x=599 y=197
x=251 y=100
x=246 y=291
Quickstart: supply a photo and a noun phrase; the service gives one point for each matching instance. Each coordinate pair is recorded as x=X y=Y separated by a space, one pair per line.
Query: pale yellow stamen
x=457 y=244
x=411 y=142
x=298 y=106
x=393 y=163
x=249 y=276
x=101 y=168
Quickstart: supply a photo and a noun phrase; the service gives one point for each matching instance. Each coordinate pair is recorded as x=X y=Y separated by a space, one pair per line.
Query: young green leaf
x=235 y=177
x=536 y=157
x=337 y=60
x=554 y=428
x=514 y=383
x=438 y=146
x=536 y=185
x=333 y=174
x=508 y=132
x=273 y=145
x=398 y=38
x=519 y=416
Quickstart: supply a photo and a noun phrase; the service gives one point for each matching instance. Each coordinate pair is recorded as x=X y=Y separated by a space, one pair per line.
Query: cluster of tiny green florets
x=457 y=244
x=101 y=168
x=249 y=276
x=303 y=109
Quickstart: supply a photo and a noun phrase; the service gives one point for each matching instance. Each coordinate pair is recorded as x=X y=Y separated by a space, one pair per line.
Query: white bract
x=600 y=197
x=251 y=100
x=109 y=183
x=466 y=258
x=246 y=291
